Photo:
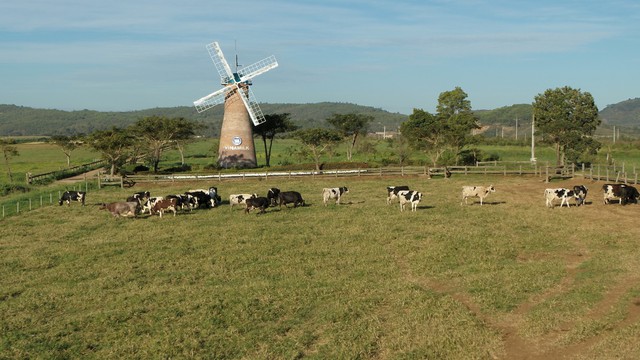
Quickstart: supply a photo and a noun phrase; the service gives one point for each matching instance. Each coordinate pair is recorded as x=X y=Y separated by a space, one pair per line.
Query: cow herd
x=142 y=202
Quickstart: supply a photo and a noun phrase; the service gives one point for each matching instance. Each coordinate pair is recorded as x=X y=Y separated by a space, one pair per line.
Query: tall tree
x=158 y=133
x=350 y=126
x=115 y=145
x=9 y=150
x=317 y=141
x=274 y=124
x=67 y=144
x=567 y=116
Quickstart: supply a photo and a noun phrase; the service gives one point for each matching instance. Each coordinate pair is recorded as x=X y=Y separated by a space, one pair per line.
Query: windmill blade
x=252 y=106
x=212 y=99
x=226 y=75
x=261 y=67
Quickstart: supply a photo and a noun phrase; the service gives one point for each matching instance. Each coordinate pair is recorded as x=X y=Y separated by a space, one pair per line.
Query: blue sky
x=396 y=55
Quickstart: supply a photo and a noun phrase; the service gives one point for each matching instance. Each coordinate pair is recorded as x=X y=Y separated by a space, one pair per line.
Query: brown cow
x=121 y=208
x=164 y=205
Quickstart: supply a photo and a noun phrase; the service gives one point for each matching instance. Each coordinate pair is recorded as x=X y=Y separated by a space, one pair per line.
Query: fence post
x=30 y=204
x=546 y=178
x=17 y=207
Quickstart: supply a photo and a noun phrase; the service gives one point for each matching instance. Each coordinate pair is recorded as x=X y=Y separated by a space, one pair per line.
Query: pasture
x=507 y=280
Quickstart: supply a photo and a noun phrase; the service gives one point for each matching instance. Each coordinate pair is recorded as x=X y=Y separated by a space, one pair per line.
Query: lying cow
x=623 y=193
x=69 y=196
x=333 y=193
x=257 y=203
x=409 y=196
x=476 y=191
x=392 y=192
x=164 y=205
x=290 y=197
x=272 y=195
x=561 y=194
x=240 y=199
x=124 y=209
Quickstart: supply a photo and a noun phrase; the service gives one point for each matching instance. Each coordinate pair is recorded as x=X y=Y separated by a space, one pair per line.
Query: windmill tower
x=236 y=147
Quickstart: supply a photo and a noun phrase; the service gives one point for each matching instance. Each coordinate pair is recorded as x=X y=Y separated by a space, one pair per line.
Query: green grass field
x=510 y=279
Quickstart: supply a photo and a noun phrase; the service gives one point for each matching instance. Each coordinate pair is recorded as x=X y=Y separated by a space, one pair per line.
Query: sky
x=397 y=55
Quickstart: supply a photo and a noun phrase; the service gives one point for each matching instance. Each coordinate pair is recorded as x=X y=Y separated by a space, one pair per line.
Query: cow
x=124 y=209
x=409 y=196
x=272 y=195
x=476 y=191
x=620 y=192
x=333 y=193
x=581 y=194
x=69 y=196
x=392 y=192
x=183 y=201
x=288 y=197
x=206 y=197
x=164 y=205
x=148 y=205
x=240 y=199
x=561 y=194
x=215 y=198
x=140 y=197
x=257 y=203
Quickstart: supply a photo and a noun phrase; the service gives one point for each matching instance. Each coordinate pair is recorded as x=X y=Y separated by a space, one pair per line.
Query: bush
x=6 y=189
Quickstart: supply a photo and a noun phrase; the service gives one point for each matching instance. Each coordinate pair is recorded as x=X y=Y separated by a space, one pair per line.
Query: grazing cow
x=333 y=193
x=69 y=196
x=118 y=209
x=476 y=191
x=148 y=205
x=392 y=192
x=272 y=195
x=409 y=196
x=164 y=205
x=620 y=192
x=257 y=203
x=560 y=193
x=580 y=192
x=287 y=197
x=240 y=199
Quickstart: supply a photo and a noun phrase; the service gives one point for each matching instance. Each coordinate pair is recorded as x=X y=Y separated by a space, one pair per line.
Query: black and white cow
x=139 y=197
x=148 y=205
x=333 y=193
x=69 y=196
x=561 y=194
x=623 y=193
x=581 y=194
x=215 y=197
x=290 y=197
x=392 y=192
x=202 y=197
x=183 y=201
x=476 y=191
x=409 y=196
x=272 y=195
x=257 y=203
x=240 y=199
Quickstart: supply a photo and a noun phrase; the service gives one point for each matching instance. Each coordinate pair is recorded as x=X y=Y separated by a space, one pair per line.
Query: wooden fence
x=31 y=178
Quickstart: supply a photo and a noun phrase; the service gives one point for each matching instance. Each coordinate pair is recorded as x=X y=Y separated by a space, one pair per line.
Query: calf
x=620 y=192
x=290 y=197
x=272 y=195
x=476 y=191
x=164 y=205
x=409 y=196
x=148 y=205
x=240 y=199
x=257 y=203
x=333 y=193
x=118 y=209
x=560 y=193
x=69 y=196
x=581 y=194
x=392 y=192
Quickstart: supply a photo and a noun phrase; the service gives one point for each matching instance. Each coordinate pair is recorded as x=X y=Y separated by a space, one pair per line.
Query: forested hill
x=26 y=121
x=624 y=113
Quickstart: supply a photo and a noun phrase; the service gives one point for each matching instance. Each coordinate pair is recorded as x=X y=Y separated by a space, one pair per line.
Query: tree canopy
x=350 y=126
x=317 y=141
x=274 y=124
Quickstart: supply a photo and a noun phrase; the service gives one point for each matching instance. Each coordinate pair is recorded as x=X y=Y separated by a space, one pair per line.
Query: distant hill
x=26 y=121
x=505 y=115
x=624 y=113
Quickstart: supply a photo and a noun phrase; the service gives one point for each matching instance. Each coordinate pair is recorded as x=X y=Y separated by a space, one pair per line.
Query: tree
x=449 y=128
x=114 y=144
x=350 y=126
x=9 y=150
x=67 y=144
x=274 y=124
x=317 y=141
x=567 y=118
x=158 y=133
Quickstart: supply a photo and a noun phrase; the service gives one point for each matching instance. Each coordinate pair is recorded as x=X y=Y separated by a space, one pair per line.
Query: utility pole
x=516 y=128
x=614 y=134
x=533 y=141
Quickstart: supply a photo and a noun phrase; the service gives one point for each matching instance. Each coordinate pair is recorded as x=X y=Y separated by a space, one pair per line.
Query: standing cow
x=409 y=196
x=240 y=199
x=257 y=203
x=620 y=192
x=272 y=195
x=290 y=197
x=124 y=209
x=69 y=196
x=561 y=194
x=392 y=192
x=333 y=193
x=580 y=194
x=476 y=191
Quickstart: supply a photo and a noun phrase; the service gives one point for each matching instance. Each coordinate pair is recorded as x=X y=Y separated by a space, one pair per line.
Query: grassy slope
x=360 y=279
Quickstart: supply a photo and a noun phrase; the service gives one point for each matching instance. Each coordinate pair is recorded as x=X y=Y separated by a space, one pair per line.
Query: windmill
x=236 y=135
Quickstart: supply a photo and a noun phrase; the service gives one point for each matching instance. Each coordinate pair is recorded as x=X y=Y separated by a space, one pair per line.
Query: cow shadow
x=485 y=203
